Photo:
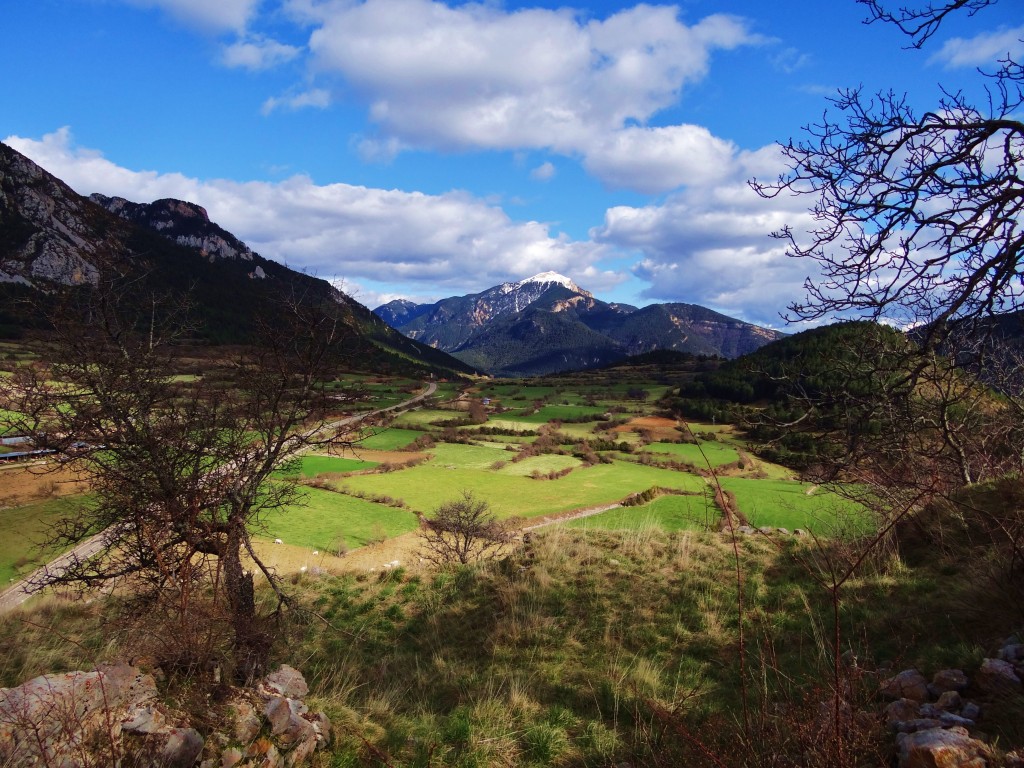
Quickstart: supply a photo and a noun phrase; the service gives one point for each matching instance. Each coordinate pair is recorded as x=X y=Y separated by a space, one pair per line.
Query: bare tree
x=920 y=217
x=180 y=471
x=462 y=531
x=920 y=222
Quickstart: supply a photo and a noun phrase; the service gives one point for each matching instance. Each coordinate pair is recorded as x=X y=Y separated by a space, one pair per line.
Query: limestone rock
x=278 y=714
x=182 y=748
x=938 y=748
x=971 y=711
x=62 y=711
x=997 y=676
x=950 y=701
x=287 y=681
x=246 y=722
x=949 y=680
x=900 y=710
x=908 y=684
x=144 y=720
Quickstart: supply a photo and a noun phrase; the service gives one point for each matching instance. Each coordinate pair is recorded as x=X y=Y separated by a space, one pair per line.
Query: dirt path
x=566 y=517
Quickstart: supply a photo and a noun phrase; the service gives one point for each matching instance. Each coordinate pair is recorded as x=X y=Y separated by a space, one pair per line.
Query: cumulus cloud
x=981 y=50
x=654 y=160
x=258 y=53
x=476 y=76
x=317 y=98
x=434 y=243
x=216 y=15
x=710 y=245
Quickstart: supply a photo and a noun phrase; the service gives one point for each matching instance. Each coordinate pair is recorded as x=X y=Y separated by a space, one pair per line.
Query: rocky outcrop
x=937 y=748
x=185 y=223
x=88 y=718
x=113 y=716
x=933 y=720
x=48 y=229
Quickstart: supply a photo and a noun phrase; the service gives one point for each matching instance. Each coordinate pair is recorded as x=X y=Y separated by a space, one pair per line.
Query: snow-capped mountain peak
x=551 y=277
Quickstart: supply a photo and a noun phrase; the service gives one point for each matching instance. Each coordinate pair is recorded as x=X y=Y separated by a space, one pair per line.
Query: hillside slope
x=50 y=236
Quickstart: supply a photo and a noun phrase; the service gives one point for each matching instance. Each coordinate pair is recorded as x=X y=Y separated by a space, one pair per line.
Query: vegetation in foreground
x=592 y=648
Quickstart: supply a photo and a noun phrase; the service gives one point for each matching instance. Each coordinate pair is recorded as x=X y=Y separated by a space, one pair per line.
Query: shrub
x=462 y=531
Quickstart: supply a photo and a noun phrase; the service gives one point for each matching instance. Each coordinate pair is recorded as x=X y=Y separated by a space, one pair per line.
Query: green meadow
x=391 y=439
x=23 y=530
x=791 y=504
x=325 y=518
x=311 y=466
x=699 y=455
x=513 y=489
x=457 y=468
x=665 y=513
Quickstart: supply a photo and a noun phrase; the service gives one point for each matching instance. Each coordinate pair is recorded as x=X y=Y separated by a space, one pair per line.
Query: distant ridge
x=547 y=324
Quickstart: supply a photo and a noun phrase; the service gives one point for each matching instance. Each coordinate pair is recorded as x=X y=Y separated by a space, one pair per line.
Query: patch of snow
x=551 y=277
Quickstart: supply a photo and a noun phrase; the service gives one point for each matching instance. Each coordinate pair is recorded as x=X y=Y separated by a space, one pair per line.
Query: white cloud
x=317 y=98
x=654 y=160
x=377 y=149
x=981 y=50
x=258 y=53
x=543 y=172
x=443 y=244
x=789 y=60
x=475 y=76
x=213 y=15
x=710 y=245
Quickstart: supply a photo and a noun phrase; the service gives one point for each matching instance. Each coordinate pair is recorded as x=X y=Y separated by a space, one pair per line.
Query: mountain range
x=547 y=323
x=51 y=236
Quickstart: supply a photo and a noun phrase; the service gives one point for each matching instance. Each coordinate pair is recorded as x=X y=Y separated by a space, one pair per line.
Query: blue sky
x=423 y=149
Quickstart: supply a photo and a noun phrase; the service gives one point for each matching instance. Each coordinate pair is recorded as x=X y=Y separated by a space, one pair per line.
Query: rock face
x=69 y=719
x=47 y=231
x=185 y=223
x=113 y=716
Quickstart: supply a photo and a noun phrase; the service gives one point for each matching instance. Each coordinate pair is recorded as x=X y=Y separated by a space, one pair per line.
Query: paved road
x=21 y=591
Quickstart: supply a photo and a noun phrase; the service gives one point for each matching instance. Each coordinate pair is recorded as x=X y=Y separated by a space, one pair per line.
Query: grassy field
x=516 y=489
x=553 y=413
x=455 y=468
x=23 y=529
x=611 y=640
x=425 y=417
x=4 y=415
x=501 y=422
x=791 y=504
x=714 y=453
x=541 y=464
x=665 y=513
x=391 y=439
x=326 y=518
x=311 y=466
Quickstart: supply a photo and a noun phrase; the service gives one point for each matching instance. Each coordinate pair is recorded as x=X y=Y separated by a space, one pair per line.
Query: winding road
x=22 y=590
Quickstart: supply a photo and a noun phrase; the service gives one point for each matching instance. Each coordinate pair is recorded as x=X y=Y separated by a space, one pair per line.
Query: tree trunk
x=251 y=644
